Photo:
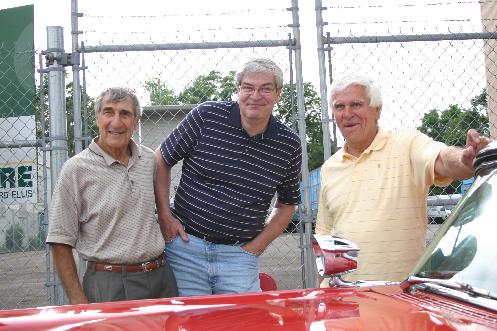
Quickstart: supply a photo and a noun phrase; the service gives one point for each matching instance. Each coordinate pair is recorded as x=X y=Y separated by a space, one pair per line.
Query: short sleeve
x=63 y=220
x=183 y=139
x=423 y=153
x=289 y=190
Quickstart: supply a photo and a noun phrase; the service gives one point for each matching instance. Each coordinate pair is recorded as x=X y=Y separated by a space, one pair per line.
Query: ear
x=378 y=113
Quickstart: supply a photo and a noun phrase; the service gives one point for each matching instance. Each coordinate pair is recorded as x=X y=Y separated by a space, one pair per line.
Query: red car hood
x=378 y=308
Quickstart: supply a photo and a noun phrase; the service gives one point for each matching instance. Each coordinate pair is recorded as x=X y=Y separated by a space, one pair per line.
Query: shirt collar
x=377 y=144
x=235 y=120
x=136 y=152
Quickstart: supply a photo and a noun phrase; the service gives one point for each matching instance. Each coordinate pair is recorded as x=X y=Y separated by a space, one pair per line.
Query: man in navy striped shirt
x=236 y=156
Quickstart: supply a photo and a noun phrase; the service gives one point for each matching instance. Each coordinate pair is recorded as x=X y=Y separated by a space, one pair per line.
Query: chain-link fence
x=23 y=264
x=177 y=57
x=434 y=63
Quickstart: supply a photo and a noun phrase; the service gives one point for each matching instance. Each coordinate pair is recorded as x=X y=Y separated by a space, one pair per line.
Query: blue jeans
x=203 y=268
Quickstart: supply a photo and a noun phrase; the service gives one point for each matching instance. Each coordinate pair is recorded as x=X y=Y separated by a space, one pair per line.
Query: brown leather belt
x=143 y=267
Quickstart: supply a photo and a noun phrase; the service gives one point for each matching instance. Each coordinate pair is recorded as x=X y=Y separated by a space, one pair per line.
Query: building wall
x=156 y=124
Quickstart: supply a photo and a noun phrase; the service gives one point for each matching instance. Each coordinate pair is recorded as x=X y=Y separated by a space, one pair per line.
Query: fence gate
x=172 y=67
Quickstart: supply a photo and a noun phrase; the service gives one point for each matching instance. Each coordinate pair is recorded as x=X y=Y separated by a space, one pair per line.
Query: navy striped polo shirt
x=229 y=178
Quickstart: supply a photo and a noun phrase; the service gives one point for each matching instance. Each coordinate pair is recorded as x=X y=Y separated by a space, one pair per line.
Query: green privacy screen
x=17 y=85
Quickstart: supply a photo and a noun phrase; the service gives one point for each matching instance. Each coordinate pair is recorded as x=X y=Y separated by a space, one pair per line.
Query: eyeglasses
x=249 y=89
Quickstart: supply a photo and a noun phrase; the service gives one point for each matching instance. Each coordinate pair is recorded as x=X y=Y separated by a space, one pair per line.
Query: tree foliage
x=287 y=111
x=160 y=94
x=213 y=86
x=451 y=125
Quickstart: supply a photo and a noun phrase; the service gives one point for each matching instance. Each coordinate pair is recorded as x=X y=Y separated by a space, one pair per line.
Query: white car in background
x=440 y=206
x=438 y=214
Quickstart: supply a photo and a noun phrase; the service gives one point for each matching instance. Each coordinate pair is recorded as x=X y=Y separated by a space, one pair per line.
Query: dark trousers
x=103 y=286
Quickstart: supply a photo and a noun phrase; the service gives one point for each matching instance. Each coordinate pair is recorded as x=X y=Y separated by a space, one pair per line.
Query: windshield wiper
x=465 y=287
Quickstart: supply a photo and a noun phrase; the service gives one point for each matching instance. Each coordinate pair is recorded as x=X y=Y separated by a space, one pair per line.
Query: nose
x=347 y=112
x=256 y=93
x=116 y=120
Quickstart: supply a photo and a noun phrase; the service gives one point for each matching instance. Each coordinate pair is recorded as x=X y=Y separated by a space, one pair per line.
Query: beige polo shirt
x=378 y=200
x=106 y=210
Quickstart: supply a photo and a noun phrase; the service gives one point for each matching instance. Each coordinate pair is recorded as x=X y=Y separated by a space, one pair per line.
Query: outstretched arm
x=456 y=162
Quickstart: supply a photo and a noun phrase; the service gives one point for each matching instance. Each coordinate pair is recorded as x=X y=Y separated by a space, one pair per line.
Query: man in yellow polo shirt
x=374 y=190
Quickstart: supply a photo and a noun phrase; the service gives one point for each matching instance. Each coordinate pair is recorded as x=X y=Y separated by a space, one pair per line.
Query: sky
x=352 y=17
x=393 y=66
x=57 y=13
x=162 y=16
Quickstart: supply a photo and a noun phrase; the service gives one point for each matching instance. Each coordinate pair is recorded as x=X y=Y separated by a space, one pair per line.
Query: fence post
x=76 y=87
x=322 y=80
x=58 y=118
x=310 y=279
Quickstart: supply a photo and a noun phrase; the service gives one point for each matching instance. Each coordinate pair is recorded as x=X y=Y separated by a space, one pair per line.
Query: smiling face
x=116 y=123
x=257 y=96
x=356 y=120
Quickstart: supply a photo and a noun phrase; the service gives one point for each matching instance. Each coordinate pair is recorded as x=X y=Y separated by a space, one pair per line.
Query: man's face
x=356 y=120
x=257 y=95
x=116 y=123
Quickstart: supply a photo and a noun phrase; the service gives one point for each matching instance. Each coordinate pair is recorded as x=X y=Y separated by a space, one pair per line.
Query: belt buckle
x=145 y=266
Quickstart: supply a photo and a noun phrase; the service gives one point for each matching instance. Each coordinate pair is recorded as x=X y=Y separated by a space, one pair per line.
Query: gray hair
x=372 y=90
x=258 y=66
x=116 y=94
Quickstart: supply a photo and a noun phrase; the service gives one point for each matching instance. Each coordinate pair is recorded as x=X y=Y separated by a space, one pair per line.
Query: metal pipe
x=330 y=75
x=309 y=255
x=86 y=130
x=42 y=143
x=76 y=88
x=322 y=80
x=183 y=46
x=409 y=38
x=58 y=119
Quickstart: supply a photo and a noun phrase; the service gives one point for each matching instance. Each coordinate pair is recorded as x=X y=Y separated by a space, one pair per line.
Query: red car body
x=371 y=308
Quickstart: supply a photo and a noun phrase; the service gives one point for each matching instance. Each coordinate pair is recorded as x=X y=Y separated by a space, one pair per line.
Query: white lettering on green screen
x=17 y=184
x=16 y=177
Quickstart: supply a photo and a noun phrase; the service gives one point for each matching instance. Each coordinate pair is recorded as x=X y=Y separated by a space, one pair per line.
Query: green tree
x=287 y=112
x=452 y=124
x=213 y=86
x=160 y=93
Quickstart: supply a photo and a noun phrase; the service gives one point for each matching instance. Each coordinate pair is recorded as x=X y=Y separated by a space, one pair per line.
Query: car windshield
x=465 y=248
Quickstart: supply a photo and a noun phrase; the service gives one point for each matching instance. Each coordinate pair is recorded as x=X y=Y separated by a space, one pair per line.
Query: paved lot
x=23 y=275
x=282 y=260
x=22 y=280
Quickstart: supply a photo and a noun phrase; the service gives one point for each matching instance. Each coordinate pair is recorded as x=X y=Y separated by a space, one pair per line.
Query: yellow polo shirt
x=378 y=200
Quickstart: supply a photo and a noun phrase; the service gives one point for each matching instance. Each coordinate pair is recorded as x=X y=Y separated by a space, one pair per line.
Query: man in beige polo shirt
x=374 y=190
x=103 y=205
